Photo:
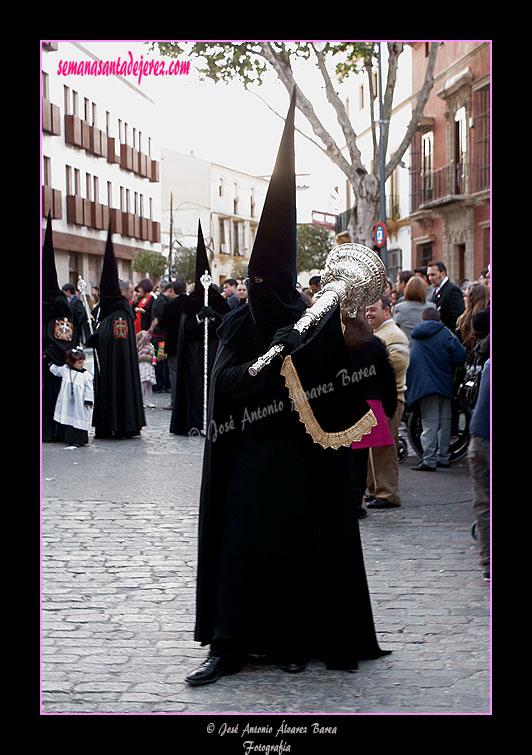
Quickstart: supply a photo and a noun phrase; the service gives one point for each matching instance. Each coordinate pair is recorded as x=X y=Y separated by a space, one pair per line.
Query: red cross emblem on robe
x=63 y=330
x=120 y=328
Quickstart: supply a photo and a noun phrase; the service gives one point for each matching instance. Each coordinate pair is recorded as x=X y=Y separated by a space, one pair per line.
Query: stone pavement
x=118 y=560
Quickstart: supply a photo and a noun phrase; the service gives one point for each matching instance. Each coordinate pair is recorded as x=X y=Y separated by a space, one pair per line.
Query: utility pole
x=171 y=237
x=382 y=161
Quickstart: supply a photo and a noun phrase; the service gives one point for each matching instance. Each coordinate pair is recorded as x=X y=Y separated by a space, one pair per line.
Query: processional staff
x=206 y=281
x=82 y=288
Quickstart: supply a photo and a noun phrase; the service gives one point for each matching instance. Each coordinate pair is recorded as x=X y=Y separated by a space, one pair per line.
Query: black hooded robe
x=280 y=565
x=187 y=411
x=118 y=409
x=57 y=338
x=188 y=396
x=58 y=335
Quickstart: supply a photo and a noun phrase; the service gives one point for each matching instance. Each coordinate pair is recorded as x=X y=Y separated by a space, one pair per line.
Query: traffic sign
x=379 y=234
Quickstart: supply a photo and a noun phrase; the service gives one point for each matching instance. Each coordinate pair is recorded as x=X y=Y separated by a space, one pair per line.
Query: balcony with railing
x=452 y=183
x=78 y=133
x=83 y=212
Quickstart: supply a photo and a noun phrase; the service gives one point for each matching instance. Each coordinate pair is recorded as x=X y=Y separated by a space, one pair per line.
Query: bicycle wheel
x=459 y=433
x=414 y=429
x=402 y=449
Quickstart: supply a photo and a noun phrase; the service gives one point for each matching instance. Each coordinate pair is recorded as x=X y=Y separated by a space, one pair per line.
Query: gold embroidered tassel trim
x=327 y=440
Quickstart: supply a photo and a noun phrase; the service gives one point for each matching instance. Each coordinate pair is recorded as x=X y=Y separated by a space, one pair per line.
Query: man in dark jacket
x=478 y=457
x=162 y=375
x=434 y=353
x=169 y=324
x=448 y=298
x=80 y=314
x=229 y=292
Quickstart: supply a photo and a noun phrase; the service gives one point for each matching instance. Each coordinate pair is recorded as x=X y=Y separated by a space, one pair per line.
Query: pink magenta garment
x=380 y=435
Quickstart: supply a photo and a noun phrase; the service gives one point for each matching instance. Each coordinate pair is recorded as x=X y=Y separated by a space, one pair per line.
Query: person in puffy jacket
x=434 y=354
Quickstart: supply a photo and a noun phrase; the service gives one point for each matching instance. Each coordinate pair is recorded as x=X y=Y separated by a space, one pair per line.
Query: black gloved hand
x=289 y=336
x=204 y=312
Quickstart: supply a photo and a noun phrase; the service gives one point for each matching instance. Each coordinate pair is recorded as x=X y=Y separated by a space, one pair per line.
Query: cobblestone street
x=119 y=523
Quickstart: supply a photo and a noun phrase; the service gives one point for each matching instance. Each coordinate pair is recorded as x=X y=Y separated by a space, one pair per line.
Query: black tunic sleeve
x=235 y=382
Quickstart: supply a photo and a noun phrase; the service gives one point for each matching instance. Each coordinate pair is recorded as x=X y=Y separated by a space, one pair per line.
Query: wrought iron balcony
x=448 y=184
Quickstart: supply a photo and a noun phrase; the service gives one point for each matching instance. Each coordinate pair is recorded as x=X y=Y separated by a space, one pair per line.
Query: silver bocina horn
x=353 y=276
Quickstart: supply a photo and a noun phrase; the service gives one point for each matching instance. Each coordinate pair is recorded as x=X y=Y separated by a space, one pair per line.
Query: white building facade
x=227 y=202
x=100 y=163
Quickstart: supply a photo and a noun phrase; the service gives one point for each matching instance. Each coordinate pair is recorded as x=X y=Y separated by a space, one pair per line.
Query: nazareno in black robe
x=280 y=564
x=187 y=400
x=118 y=409
x=57 y=337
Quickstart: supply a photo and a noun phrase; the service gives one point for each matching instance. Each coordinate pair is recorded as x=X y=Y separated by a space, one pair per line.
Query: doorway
x=460 y=256
x=73 y=267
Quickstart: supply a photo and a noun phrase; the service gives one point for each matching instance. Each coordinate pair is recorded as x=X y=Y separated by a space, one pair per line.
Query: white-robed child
x=73 y=408
x=147 y=362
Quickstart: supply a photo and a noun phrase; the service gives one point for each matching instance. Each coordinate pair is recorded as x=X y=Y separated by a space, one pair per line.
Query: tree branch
x=394 y=51
x=284 y=72
x=368 y=66
x=310 y=139
x=341 y=115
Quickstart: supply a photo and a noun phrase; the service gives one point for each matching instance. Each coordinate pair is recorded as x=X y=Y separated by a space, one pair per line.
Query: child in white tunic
x=73 y=408
x=147 y=361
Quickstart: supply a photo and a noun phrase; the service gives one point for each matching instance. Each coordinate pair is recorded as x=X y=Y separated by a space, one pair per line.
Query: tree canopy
x=152 y=263
x=314 y=242
x=184 y=264
x=335 y=61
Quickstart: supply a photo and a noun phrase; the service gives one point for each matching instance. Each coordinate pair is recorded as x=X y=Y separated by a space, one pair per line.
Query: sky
x=224 y=123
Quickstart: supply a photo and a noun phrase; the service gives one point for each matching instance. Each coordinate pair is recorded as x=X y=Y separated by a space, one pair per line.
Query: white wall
x=122 y=100
x=194 y=184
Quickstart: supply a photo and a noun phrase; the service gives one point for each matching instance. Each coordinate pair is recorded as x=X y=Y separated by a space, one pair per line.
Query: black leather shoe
x=293 y=668
x=423 y=468
x=442 y=465
x=212 y=669
x=382 y=503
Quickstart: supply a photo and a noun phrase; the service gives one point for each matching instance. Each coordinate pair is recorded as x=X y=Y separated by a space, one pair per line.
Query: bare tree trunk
x=365 y=210
x=366 y=203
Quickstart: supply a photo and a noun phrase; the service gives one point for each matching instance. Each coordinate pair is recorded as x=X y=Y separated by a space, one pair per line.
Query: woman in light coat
x=407 y=313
